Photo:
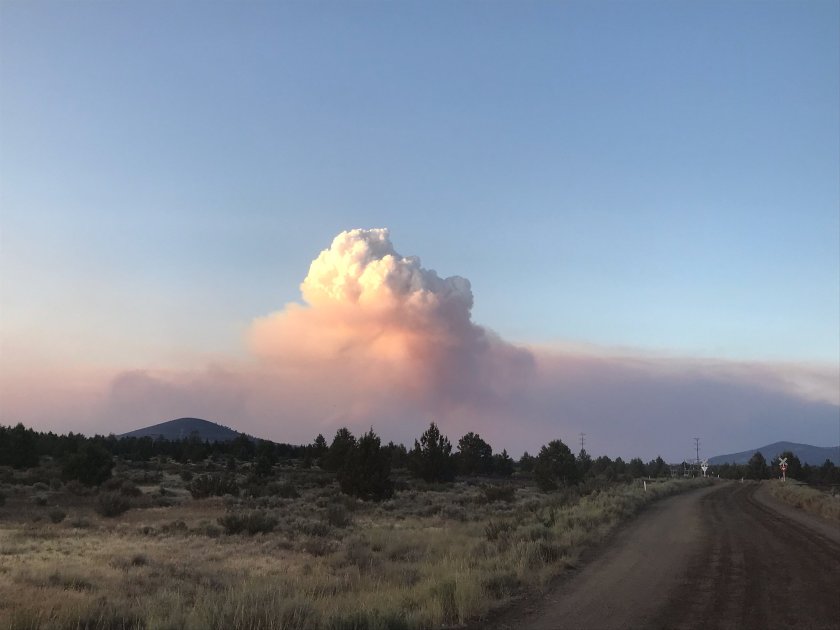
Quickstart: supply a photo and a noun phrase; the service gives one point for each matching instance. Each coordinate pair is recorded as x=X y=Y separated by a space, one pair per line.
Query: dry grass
x=810 y=499
x=424 y=559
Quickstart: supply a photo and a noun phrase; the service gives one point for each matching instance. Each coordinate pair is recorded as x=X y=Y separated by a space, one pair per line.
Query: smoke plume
x=379 y=340
x=380 y=324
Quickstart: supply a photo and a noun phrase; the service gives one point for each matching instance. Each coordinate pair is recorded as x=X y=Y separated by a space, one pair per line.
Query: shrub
x=257 y=488
x=111 y=504
x=499 y=493
x=284 y=490
x=207 y=529
x=40 y=499
x=444 y=593
x=139 y=560
x=497 y=530
x=337 y=515
x=175 y=527
x=2 y=499
x=317 y=546
x=57 y=515
x=125 y=487
x=502 y=585
x=76 y=487
x=186 y=475
x=249 y=523
x=214 y=485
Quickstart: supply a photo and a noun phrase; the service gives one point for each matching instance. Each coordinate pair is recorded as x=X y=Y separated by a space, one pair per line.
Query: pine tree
x=342 y=444
x=366 y=472
x=555 y=466
x=431 y=458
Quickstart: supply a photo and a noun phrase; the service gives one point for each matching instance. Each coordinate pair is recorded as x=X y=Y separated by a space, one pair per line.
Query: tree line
x=826 y=474
x=363 y=465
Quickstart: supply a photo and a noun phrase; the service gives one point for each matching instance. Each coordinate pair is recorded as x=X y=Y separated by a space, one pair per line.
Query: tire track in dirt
x=764 y=570
x=717 y=558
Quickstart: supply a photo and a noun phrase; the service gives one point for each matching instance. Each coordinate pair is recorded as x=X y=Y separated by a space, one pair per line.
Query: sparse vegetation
x=293 y=549
x=112 y=504
x=823 y=503
x=213 y=485
x=57 y=515
x=250 y=523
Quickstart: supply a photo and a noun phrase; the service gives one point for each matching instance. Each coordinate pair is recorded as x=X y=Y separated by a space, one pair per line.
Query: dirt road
x=721 y=557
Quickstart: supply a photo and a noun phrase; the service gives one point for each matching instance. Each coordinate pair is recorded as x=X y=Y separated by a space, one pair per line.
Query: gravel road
x=728 y=556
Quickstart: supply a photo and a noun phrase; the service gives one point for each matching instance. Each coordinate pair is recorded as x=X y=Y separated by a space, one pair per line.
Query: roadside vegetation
x=251 y=534
x=824 y=503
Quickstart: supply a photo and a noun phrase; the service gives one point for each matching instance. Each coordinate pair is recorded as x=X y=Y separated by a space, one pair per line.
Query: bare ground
x=729 y=556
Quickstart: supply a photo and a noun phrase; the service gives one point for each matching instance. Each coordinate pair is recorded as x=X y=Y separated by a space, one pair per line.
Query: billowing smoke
x=379 y=340
x=377 y=324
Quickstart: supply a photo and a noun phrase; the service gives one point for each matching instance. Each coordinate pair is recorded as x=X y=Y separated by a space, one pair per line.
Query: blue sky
x=654 y=175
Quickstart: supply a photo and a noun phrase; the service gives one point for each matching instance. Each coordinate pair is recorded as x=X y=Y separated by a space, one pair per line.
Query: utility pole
x=697 y=449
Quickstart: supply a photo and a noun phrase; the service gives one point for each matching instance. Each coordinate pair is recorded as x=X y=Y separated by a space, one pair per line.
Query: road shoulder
x=641 y=559
x=817 y=524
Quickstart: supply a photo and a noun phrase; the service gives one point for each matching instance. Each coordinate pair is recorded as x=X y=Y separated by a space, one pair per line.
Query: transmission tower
x=582 y=440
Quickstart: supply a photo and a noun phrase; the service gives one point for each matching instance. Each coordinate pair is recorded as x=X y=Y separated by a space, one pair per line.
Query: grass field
x=433 y=556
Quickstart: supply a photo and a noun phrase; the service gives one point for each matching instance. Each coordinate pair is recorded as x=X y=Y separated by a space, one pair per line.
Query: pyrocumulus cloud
x=381 y=323
x=379 y=340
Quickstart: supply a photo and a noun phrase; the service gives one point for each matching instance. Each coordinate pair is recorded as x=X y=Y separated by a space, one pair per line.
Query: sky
x=643 y=197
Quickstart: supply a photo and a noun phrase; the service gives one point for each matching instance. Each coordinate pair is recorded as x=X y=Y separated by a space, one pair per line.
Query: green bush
x=214 y=485
x=57 y=515
x=249 y=523
x=111 y=504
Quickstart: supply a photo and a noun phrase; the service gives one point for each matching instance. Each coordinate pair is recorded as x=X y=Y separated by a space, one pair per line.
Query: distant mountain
x=807 y=454
x=182 y=428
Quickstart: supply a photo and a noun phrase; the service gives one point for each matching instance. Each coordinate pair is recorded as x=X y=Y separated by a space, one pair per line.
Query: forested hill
x=807 y=454
x=183 y=428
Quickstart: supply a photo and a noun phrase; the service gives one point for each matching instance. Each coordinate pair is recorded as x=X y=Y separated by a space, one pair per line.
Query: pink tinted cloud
x=381 y=341
x=378 y=323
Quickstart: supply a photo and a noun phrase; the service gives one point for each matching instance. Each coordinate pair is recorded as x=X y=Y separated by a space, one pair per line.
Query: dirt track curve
x=727 y=556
